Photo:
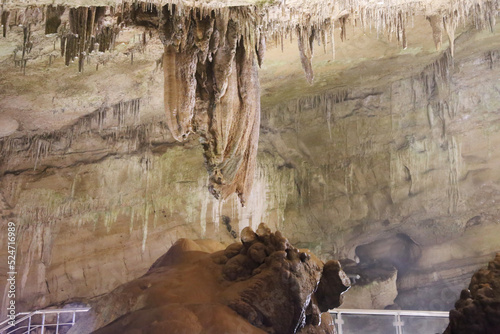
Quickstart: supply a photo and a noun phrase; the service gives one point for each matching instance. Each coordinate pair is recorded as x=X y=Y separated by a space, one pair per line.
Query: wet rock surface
x=262 y=285
x=478 y=309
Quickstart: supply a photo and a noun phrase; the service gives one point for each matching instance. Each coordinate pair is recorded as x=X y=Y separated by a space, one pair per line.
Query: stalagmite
x=478 y=308
x=238 y=289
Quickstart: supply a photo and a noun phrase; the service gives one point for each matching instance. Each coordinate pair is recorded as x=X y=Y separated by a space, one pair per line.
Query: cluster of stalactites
x=88 y=30
x=212 y=89
x=394 y=18
x=316 y=21
x=482 y=14
x=82 y=31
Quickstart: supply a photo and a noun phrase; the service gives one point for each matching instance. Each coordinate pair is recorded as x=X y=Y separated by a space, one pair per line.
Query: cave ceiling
x=387 y=39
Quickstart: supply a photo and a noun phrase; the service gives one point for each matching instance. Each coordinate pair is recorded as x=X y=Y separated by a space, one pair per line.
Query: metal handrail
x=34 y=327
x=436 y=314
x=338 y=312
x=28 y=316
x=17 y=315
x=397 y=314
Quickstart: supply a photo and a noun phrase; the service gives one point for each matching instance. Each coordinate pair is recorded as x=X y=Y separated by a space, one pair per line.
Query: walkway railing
x=346 y=321
x=389 y=321
x=58 y=320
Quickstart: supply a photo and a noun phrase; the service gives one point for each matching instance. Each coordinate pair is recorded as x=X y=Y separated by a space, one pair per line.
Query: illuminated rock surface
x=262 y=285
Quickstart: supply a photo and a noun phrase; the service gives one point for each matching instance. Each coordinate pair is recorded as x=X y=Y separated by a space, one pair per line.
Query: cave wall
x=415 y=154
x=99 y=188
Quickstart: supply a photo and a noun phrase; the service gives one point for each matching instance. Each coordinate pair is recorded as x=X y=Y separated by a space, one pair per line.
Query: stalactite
x=211 y=88
x=204 y=66
x=450 y=23
x=324 y=102
x=436 y=22
x=332 y=37
x=274 y=20
x=179 y=64
x=5 y=21
x=27 y=46
x=401 y=30
x=492 y=57
x=437 y=75
x=343 y=30
x=53 y=18
x=306 y=41
x=86 y=30
x=261 y=48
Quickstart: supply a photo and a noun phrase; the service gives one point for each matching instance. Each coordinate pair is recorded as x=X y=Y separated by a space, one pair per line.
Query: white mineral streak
x=202 y=184
x=455 y=173
x=255 y=211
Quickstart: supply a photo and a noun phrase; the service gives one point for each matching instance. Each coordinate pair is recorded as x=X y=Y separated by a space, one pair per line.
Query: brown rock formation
x=374 y=285
x=212 y=88
x=262 y=285
x=478 y=309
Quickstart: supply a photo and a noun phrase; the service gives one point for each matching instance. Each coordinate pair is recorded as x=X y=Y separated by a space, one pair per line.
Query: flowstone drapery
x=212 y=89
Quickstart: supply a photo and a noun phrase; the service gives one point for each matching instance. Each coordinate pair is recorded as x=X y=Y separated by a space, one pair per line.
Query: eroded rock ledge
x=261 y=285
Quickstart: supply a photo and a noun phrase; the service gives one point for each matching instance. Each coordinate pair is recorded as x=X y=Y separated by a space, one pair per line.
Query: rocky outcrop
x=478 y=309
x=261 y=285
x=373 y=285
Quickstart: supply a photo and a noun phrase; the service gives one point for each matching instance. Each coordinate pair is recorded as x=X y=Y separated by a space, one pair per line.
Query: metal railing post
x=395 y=314
x=398 y=323
x=29 y=325
x=339 y=323
x=74 y=317
x=43 y=323
x=57 y=325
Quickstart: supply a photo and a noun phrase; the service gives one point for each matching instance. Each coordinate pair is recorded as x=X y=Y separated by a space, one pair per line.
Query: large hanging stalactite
x=306 y=43
x=212 y=88
x=179 y=64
